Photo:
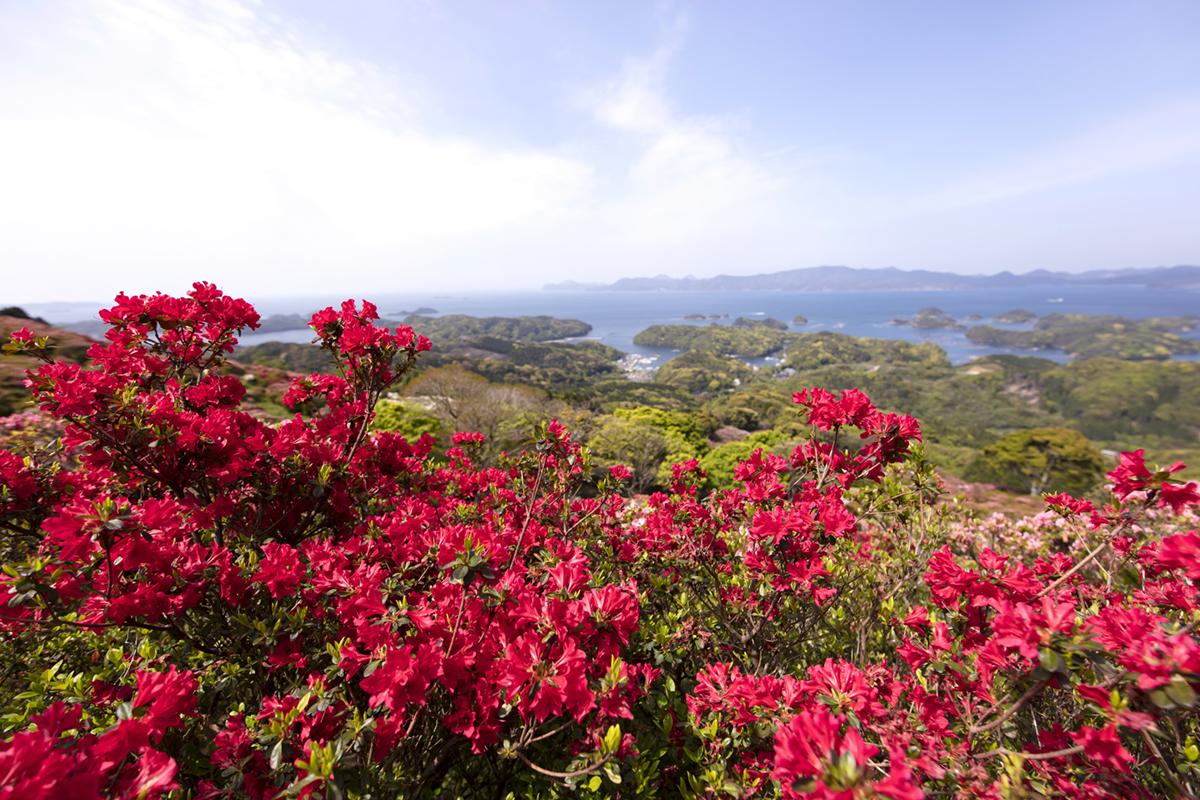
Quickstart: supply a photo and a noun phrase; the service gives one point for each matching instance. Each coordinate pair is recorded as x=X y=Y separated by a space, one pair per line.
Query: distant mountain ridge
x=851 y=279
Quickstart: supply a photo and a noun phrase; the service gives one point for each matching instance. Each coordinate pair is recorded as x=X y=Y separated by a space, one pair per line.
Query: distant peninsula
x=850 y=279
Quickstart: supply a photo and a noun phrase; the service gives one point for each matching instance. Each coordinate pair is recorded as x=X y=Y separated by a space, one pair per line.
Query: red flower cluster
x=1131 y=475
x=124 y=759
x=440 y=592
x=237 y=608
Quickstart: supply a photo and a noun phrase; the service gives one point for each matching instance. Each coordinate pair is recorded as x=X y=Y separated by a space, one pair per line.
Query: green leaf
x=1180 y=691
x=296 y=788
x=612 y=739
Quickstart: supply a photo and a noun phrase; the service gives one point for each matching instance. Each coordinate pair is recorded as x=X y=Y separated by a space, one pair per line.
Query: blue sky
x=378 y=145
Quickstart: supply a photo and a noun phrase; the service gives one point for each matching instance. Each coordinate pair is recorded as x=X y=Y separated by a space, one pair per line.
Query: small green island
x=1087 y=336
x=748 y=339
x=1016 y=316
x=930 y=318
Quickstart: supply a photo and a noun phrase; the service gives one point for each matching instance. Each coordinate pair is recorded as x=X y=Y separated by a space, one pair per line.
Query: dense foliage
x=824 y=348
x=201 y=602
x=702 y=372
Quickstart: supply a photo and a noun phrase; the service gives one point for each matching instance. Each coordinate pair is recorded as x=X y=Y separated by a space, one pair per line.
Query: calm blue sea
x=617 y=316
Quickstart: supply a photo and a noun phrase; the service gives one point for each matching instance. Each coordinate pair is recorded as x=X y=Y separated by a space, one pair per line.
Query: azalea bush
x=201 y=603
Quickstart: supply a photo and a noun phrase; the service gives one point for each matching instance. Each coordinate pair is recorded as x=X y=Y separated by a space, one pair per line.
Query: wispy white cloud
x=691 y=179
x=1160 y=136
x=633 y=100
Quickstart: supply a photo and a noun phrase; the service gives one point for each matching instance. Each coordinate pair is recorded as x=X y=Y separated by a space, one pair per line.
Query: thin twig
x=1004 y=751
x=1013 y=709
x=565 y=775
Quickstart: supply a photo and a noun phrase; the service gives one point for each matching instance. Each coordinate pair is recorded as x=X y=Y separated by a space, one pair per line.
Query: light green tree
x=407 y=419
x=635 y=443
x=721 y=461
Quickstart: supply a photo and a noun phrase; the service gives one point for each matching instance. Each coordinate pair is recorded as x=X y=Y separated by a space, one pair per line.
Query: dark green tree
x=1038 y=460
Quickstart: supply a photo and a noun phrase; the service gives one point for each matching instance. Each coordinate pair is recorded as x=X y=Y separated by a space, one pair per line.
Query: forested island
x=1083 y=336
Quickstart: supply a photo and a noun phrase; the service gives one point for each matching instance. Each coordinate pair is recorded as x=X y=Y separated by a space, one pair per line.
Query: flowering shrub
x=201 y=603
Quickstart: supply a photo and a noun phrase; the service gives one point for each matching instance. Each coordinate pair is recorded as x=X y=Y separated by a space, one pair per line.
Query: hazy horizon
x=335 y=291
x=300 y=148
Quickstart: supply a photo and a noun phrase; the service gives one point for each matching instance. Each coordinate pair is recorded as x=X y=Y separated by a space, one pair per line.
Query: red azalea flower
x=1104 y=747
x=811 y=746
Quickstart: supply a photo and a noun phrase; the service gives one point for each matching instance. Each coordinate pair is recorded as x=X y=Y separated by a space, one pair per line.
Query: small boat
x=1054 y=300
